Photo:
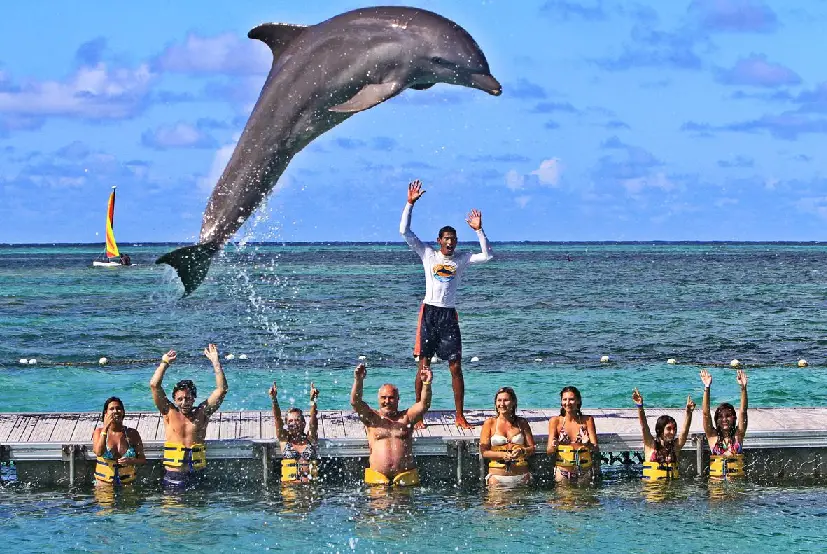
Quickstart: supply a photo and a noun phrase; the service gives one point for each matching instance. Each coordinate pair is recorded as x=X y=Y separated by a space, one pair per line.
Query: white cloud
x=770 y=183
x=813 y=205
x=222 y=54
x=522 y=201
x=549 y=172
x=514 y=180
x=656 y=181
x=96 y=92
x=179 y=135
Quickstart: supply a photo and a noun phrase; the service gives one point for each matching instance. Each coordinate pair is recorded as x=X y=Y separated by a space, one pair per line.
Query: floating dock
x=56 y=448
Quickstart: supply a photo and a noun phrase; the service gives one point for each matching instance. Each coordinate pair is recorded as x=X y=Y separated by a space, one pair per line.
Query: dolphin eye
x=437 y=60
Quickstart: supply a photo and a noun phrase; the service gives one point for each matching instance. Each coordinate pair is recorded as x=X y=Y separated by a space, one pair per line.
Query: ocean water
x=538 y=317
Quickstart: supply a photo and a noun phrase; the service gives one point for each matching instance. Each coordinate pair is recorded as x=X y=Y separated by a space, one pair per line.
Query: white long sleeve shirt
x=442 y=273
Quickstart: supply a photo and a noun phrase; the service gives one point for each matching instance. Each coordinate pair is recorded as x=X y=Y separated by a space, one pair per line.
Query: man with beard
x=185 y=426
x=390 y=431
x=438 y=328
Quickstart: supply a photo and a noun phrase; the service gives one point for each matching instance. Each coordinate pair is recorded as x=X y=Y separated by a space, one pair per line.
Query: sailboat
x=111 y=256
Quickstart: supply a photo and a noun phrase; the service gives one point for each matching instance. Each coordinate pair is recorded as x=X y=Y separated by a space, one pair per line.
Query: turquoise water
x=538 y=317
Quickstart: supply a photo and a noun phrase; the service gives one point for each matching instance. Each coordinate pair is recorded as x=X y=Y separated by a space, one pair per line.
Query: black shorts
x=438 y=333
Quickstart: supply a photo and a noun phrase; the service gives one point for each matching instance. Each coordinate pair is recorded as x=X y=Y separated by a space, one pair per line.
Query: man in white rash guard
x=438 y=328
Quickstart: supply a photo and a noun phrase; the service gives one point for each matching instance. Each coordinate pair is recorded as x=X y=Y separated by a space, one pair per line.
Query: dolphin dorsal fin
x=276 y=35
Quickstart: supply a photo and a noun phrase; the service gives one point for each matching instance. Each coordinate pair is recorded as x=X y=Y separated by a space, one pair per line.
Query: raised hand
x=690 y=404
x=636 y=397
x=474 y=219
x=169 y=357
x=274 y=390
x=314 y=392
x=211 y=352
x=360 y=372
x=741 y=377
x=426 y=375
x=706 y=378
x=415 y=191
x=107 y=420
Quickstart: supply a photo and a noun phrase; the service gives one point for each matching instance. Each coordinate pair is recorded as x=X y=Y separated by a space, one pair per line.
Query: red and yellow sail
x=111 y=245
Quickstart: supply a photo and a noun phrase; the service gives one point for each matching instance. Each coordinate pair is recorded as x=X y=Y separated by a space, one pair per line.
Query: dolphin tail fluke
x=191 y=263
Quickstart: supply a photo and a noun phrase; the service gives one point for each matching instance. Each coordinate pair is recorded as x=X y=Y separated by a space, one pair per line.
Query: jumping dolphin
x=322 y=75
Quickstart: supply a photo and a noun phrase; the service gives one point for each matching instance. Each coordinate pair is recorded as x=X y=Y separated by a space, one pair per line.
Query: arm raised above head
x=474 y=220
x=709 y=428
x=216 y=397
x=159 y=396
x=741 y=377
x=687 y=422
x=365 y=412
x=418 y=410
x=637 y=398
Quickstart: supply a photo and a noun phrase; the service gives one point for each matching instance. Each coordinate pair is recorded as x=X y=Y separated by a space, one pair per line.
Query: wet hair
x=446 y=229
x=510 y=392
x=296 y=411
x=185 y=384
x=664 y=453
x=109 y=401
x=577 y=397
x=719 y=415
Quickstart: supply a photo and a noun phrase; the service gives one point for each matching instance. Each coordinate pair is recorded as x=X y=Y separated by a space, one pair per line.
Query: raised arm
x=687 y=422
x=313 y=425
x=365 y=413
x=418 y=410
x=215 y=398
x=709 y=427
x=415 y=192
x=156 y=383
x=648 y=440
x=474 y=220
x=278 y=422
x=742 y=420
x=99 y=435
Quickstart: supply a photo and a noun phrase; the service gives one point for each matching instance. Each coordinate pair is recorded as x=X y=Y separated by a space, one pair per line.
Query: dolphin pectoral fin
x=368 y=97
x=423 y=86
x=191 y=263
x=276 y=35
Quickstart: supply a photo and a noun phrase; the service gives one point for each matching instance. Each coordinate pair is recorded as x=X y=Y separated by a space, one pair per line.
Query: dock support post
x=265 y=463
x=482 y=469
x=69 y=451
x=460 y=460
x=699 y=454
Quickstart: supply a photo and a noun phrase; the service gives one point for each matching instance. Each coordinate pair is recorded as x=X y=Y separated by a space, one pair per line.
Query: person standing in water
x=725 y=438
x=390 y=431
x=438 y=328
x=662 y=451
x=299 y=448
x=185 y=425
x=118 y=448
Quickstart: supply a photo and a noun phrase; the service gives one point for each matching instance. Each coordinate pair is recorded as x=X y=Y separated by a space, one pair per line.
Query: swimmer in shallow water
x=572 y=441
x=185 y=425
x=299 y=455
x=661 y=453
x=390 y=431
x=725 y=438
x=506 y=442
x=119 y=448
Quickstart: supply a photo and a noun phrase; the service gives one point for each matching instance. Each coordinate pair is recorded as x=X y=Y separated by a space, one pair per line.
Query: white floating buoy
x=229 y=357
x=242 y=356
x=672 y=361
x=735 y=363
x=103 y=361
x=363 y=357
x=24 y=361
x=802 y=363
x=604 y=359
x=475 y=359
x=32 y=361
x=538 y=359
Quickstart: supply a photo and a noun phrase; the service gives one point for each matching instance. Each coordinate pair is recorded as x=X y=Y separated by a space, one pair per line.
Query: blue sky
x=619 y=120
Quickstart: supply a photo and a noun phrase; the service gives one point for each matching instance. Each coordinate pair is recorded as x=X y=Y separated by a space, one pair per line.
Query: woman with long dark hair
x=572 y=440
x=506 y=442
x=726 y=439
x=661 y=452
x=299 y=454
x=118 y=448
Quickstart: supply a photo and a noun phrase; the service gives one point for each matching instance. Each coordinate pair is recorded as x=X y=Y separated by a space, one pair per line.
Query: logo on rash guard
x=444 y=272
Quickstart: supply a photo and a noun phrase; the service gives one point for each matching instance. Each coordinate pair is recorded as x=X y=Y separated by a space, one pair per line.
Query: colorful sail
x=111 y=245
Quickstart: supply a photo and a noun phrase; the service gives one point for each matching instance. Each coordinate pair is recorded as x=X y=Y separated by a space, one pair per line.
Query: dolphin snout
x=487 y=83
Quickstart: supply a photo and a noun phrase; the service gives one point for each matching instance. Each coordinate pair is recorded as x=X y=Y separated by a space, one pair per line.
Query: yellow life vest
x=290 y=472
x=726 y=467
x=499 y=464
x=568 y=456
x=110 y=471
x=656 y=471
x=408 y=478
x=177 y=455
